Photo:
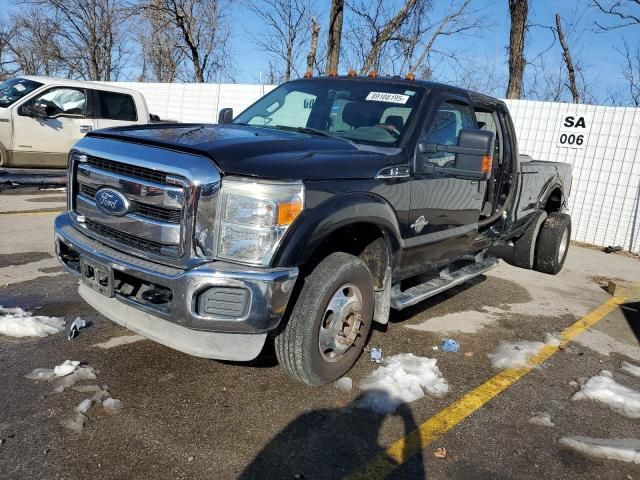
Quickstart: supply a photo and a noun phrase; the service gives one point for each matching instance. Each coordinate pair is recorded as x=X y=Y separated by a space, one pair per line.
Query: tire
x=301 y=345
x=524 y=248
x=553 y=243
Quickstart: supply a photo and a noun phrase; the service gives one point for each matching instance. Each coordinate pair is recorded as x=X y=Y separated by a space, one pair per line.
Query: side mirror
x=475 y=152
x=225 y=116
x=34 y=111
x=472 y=156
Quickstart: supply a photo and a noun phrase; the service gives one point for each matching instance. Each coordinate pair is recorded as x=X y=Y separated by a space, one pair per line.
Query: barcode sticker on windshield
x=19 y=87
x=387 y=97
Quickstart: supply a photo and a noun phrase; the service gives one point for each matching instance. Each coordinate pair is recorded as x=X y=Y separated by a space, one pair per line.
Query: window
x=14 y=89
x=291 y=111
x=450 y=118
x=62 y=101
x=117 y=106
x=487 y=121
x=366 y=112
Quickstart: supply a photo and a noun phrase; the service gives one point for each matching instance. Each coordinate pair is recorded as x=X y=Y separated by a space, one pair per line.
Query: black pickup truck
x=310 y=215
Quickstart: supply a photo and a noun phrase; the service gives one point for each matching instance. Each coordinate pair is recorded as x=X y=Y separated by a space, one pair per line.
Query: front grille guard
x=200 y=202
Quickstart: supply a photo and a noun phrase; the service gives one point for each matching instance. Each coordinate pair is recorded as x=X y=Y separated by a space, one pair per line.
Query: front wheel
x=553 y=243
x=330 y=322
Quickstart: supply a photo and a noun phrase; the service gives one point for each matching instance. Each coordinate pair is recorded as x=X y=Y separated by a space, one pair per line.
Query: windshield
x=14 y=89
x=362 y=111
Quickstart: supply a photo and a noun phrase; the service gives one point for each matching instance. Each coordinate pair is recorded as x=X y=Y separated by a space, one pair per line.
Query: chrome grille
x=171 y=199
x=125 y=238
x=149 y=211
x=127 y=170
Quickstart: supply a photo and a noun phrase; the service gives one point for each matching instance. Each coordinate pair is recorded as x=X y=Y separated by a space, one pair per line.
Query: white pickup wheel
x=330 y=322
x=552 y=245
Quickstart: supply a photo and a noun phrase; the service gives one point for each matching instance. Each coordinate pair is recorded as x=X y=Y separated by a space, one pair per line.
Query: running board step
x=416 y=294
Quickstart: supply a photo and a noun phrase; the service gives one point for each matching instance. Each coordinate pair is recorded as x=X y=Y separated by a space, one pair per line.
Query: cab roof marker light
x=333 y=73
x=308 y=74
x=373 y=74
x=352 y=73
x=410 y=76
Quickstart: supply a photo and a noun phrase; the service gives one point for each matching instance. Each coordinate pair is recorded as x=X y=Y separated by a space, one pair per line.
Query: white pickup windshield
x=13 y=90
x=364 y=111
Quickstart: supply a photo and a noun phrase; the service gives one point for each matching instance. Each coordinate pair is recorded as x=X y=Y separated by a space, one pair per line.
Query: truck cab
x=41 y=118
x=316 y=211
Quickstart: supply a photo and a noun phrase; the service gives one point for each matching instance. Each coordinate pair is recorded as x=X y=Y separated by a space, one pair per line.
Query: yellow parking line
x=404 y=448
x=30 y=212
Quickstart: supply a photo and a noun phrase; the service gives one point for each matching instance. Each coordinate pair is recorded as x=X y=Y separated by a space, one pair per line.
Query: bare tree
x=568 y=61
x=457 y=19
x=334 y=36
x=313 y=47
x=376 y=26
x=161 y=53
x=620 y=13
x=198 y=29
x=631 y=73
x=519 y=11
x=5 y=60
x=285 y=36
x=91 y=35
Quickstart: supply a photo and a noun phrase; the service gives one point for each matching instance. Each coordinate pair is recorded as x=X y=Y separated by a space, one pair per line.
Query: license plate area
x=98 y=277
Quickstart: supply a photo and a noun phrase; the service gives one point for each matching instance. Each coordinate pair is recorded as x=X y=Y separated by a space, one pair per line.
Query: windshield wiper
x=314 y=131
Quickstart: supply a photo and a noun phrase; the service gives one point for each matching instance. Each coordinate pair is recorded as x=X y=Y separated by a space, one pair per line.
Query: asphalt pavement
x=186 y=417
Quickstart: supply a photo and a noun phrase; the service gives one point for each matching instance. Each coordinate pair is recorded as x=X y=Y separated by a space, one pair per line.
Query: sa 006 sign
x=573 y=132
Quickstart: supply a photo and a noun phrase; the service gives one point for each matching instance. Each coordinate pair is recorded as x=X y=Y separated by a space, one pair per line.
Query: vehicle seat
x=396 y=120
x=356 y=115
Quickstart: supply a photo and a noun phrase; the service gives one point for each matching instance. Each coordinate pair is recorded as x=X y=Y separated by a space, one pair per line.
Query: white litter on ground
x=344 y=383
x=84 y=405
x=117 y=341
x=542 y=419
x=624 y=449
x=67 y=367
x=112 y=405
x=75 y=424
x=603 y=388
x=403 y=378
x=518 y=354
x=41 y=374
x=16 y=322
x=630 y=368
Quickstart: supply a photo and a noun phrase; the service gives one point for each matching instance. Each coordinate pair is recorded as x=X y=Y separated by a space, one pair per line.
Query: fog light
x=224 y=302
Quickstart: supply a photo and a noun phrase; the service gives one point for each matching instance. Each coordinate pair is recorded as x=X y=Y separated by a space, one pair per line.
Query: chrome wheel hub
x=341 y=323
x=564 y=243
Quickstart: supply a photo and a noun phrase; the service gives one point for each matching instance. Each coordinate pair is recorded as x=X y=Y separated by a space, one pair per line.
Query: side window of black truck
x=116 y=106
x=450 y=118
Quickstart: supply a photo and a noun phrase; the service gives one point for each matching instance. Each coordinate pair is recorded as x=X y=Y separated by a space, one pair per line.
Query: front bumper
x=177 y=321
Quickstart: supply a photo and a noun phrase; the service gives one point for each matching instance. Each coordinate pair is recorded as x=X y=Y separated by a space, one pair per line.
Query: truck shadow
x=332 y=443
x=631 y=312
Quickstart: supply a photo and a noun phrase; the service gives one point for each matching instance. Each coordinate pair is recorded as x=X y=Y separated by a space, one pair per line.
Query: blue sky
x=487 y=49
x=602 y=65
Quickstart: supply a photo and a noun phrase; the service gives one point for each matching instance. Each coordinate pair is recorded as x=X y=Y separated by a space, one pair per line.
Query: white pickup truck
x=41 y=118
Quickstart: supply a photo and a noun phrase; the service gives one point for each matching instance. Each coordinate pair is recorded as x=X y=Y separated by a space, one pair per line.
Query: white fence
x=601 y=143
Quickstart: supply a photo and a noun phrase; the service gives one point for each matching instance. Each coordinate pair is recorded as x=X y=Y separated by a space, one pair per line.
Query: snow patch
x=65 y=368
x=403 y=378
x=630 y=368
x=623 y=449
x=112 y=405
x=16 y=322
x=542 y=419
x=344 y=383
x=603 y=388
x=75 y=424
x=117 y=341
x=519 y=354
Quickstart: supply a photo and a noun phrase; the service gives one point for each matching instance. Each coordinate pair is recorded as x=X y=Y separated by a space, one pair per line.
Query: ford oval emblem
x=112 y=202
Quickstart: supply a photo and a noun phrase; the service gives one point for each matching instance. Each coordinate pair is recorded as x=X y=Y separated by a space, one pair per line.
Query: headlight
x=253 y=217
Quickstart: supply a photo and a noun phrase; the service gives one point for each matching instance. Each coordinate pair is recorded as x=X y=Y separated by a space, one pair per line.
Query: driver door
x=44 y=141
x=445 y=208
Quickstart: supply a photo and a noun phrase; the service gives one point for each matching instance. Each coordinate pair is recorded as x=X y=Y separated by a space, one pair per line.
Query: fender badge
x=419 y=224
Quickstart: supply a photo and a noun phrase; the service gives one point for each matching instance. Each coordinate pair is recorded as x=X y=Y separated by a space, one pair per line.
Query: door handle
x=85 y=128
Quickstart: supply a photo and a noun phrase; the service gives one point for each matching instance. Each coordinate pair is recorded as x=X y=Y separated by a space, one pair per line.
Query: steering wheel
x=390 y=128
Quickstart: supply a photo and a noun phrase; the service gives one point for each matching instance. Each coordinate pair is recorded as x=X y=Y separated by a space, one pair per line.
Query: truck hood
x=264 y=153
